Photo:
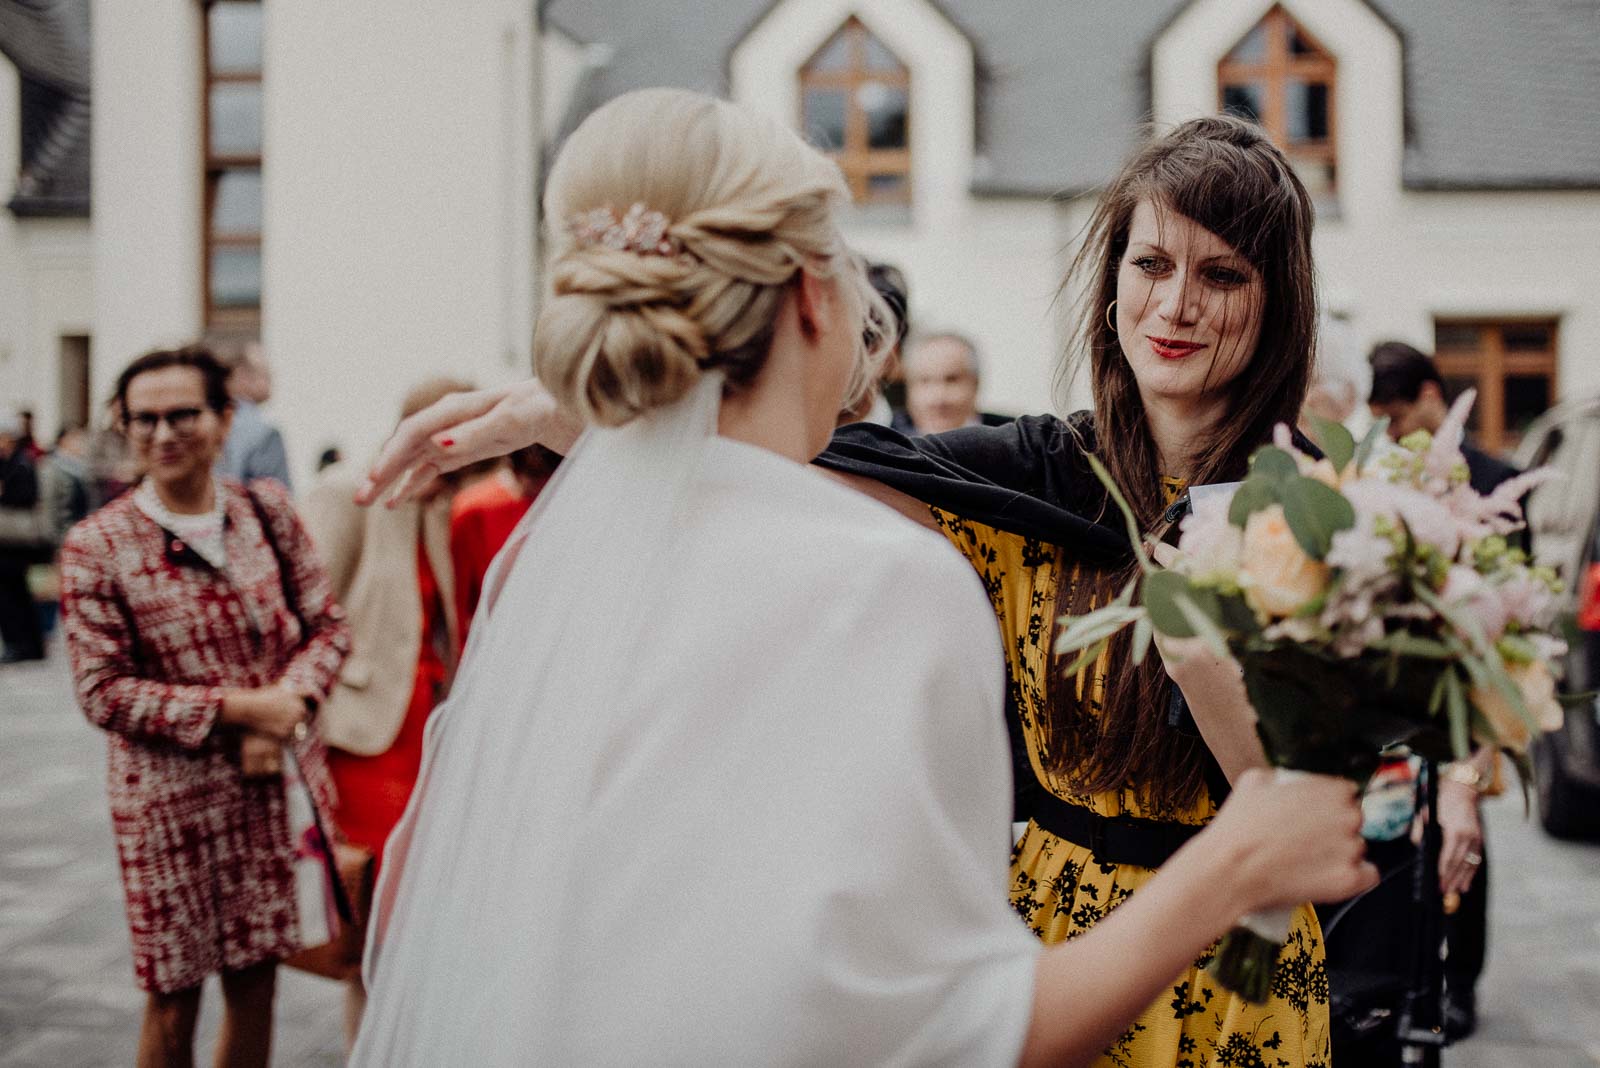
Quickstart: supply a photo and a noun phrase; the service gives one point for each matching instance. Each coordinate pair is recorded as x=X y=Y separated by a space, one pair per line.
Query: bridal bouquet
x=1371 y=598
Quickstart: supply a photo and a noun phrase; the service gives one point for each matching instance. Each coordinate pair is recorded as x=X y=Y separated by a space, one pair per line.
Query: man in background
x=1408 y=389
x=254 y=448
x=66 y=484
x=942 y=376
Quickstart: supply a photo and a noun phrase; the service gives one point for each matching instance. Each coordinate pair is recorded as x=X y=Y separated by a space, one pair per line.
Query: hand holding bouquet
x=1371 y=597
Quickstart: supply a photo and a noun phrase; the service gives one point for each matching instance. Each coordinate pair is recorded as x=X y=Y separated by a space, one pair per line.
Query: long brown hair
x=1225 y=174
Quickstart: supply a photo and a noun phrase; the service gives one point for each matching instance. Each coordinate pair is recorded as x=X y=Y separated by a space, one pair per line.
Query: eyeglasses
x=183 y=421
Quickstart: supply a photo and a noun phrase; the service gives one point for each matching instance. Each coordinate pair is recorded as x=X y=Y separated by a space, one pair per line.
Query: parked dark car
x=1564 y=520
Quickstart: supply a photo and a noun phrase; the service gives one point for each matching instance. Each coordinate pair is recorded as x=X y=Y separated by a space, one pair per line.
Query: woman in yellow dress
x=1198 y=323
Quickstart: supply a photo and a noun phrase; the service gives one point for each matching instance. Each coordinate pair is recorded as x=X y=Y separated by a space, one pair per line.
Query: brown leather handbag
x=340 y=958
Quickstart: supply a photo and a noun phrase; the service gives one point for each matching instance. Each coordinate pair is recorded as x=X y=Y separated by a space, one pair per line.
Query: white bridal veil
x=557 y=627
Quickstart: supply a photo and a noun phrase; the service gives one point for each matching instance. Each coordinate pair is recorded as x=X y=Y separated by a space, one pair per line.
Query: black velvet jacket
x=1028 y=477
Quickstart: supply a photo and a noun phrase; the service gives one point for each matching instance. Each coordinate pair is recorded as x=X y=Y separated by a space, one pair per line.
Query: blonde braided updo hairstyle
x=747 y=206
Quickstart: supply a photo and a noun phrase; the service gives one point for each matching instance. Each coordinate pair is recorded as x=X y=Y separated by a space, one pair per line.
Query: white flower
x=1444 y=458
x=1429 y=520
x=1527 y=601
x=1210 y=547
x=1484 y=604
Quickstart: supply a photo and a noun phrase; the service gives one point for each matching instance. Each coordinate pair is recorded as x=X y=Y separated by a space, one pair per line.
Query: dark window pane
x=1300 y=44
x=236 y=277
x=1308 y=110
x=888 y=187
x=835 y=55
x=1243 y=99
x=234 y=33
x=236 y=119
x=885 y=106
x=824 y=118
x=1253 y=49
x=237 y=208
x=1458 y=336
x=1527 y=398
x=879 y=57
x=1529 y=337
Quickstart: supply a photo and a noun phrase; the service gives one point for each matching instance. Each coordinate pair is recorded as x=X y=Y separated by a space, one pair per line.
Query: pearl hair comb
x=641 y=230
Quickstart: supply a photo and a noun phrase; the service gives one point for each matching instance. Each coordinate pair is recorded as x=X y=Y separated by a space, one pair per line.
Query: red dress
x=156 y=634
x=482 y=517
x=373 y=790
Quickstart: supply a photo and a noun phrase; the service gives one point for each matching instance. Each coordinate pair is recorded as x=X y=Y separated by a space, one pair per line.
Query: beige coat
x=371 y=557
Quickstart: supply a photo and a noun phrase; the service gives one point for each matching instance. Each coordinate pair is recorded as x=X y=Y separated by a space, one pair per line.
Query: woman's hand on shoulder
x=1281 y=840
x=463 y=428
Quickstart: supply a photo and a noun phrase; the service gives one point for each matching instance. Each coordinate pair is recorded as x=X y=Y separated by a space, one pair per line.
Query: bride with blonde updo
x=732 y=207
x=723 y=779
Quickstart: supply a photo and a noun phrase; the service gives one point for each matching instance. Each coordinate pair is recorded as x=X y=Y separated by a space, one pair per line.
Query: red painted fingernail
x=445 y=443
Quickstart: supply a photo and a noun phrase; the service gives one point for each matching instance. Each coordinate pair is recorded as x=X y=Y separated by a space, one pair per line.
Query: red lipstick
x=1170 y=349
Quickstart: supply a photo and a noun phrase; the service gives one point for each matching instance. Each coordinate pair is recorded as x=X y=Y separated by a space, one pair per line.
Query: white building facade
x=1455 y=166
x=356 y=184
x=46 y=284
x=352 y=184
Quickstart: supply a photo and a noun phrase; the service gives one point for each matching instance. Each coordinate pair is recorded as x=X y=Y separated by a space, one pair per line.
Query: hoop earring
x=1109 y=321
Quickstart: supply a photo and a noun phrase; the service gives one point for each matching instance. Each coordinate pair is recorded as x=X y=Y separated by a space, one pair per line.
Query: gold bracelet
x=1465 y=773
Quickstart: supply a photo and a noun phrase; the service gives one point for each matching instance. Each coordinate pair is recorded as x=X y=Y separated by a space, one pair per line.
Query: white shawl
x=723 y=780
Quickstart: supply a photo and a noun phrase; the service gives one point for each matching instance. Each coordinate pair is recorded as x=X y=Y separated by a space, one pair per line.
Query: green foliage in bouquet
x=1370 y=597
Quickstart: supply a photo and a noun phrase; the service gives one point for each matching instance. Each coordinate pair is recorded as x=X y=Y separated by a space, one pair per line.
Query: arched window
x=855 y=105
x=1282 y=78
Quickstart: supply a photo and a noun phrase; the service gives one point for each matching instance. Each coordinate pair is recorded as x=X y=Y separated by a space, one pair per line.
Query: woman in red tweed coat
x=186 y=650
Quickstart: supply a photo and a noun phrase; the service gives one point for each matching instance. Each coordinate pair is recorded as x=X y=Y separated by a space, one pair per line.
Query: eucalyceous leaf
x=1253 y=495
x=1337 y=443
x=1273 y=463
x=1161 y=593
x=1369 y=441
x=1315 y=513
x=1091 y=628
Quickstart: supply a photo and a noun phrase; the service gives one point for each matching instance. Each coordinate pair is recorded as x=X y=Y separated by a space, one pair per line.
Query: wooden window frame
x=235 y=321
x=1491 y=364
x=860 y=162
x=1273 y=71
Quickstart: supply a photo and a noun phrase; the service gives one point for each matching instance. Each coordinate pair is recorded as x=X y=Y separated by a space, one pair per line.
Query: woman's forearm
x=1214 y=689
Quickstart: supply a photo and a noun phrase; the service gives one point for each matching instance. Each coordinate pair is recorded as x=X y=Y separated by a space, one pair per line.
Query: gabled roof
x=1498 y=96
x=48 y=42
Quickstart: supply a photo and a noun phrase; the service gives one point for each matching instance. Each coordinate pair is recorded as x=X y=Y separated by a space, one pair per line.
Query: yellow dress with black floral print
x=1061 y=889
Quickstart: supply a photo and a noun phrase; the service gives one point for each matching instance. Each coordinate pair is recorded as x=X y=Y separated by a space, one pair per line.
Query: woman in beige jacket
x=390 y=568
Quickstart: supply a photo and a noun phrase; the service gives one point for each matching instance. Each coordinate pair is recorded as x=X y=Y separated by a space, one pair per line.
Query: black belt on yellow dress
x=1112 y=839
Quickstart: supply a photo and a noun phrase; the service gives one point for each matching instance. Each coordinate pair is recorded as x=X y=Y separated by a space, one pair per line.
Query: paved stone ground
x=66 y=987
x=67 y=998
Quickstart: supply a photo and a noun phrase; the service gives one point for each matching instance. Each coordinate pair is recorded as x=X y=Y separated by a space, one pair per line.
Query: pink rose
x=1277 y=576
